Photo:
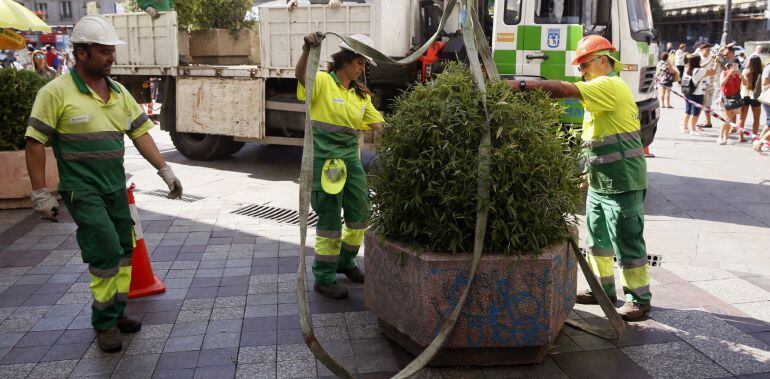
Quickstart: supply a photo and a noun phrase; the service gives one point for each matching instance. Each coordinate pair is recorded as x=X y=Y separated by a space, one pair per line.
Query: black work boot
x=587 y=297
x=109 y=340
x=332 y=290
x=129 y=325
x=354 y=274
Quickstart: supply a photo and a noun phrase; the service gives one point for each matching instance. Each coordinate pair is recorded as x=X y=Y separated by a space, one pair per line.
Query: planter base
x=468 y=356
x=515 y=310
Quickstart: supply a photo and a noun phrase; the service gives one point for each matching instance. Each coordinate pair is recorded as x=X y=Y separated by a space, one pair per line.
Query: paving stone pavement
x=230 y=309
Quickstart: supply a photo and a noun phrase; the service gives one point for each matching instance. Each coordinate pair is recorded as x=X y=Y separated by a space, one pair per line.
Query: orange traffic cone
x=647 y=152
x=143 y=280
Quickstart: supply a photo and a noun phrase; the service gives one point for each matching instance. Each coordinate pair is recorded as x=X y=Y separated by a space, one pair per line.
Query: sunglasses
x=585 y=65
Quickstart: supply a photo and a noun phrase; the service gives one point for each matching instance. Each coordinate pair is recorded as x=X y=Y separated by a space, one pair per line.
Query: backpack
x=689 y=86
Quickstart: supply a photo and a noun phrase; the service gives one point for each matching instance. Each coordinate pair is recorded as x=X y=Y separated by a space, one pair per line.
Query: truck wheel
x=204 y=147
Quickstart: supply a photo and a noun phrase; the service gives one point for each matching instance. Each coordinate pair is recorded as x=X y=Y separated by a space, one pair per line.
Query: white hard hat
x=363 y=38
x=95 y=29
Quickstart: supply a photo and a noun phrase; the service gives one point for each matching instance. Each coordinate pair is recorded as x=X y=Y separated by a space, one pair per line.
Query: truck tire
x=204 y=147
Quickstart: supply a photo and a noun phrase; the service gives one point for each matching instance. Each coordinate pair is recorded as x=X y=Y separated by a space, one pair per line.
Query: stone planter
x=514 y=312
x=220 y=47
x=15 y=185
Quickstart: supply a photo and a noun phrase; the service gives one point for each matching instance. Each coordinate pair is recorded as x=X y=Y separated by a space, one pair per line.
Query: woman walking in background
x=730 y=84
x=694 y=79
x=665 y=75
x=679 y=59
x=751 y=87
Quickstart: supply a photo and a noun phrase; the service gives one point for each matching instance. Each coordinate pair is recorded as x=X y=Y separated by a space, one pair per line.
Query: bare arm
x=35 y=154
x=312 y=39
x=557 y=89
x=377 y=126
x=299 y=70
x=146 y=146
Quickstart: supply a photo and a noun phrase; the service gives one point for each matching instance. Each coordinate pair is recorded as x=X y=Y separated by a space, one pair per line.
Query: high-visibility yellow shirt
x=611 y=136
x=337 y=115
x=86 y=133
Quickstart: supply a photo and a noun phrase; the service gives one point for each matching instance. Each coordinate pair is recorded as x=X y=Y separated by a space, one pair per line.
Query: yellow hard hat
x=333 y=176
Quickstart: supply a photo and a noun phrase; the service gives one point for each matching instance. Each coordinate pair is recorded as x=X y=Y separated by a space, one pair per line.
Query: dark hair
x=341 y=59
x=664 y=56
x=84 y=46
x=682 y=46
x=693 y=62
x=755 y=69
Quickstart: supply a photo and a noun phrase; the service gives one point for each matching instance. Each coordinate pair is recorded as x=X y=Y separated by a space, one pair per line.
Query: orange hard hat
x=589 y=45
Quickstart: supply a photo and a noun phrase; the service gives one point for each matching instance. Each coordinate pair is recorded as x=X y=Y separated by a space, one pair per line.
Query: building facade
x=65 y=12
x=695 y=21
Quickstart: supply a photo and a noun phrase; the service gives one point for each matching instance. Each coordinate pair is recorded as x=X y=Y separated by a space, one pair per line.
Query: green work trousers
x=615 y=229
x=336 y=246
x=105 y=237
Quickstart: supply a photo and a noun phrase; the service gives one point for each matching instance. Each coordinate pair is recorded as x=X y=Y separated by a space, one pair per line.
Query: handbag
x=764 y=98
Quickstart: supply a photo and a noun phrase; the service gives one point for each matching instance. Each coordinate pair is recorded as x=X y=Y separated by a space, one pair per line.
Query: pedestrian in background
x=730 y=86
x=40 y=66
x=751 y=88
x=679 y=60
x=764 y=136
x=694 y=75
x=707 y=62
x=665 y=75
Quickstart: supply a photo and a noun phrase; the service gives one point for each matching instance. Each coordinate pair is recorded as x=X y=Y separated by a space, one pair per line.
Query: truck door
x=549 y=41
x=507 y=17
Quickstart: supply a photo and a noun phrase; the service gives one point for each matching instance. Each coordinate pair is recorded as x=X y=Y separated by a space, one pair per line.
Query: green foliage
x=212 y=14
x=425 y=190
x=20 y=88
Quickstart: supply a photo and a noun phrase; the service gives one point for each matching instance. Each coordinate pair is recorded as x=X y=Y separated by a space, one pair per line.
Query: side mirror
x=602 y=15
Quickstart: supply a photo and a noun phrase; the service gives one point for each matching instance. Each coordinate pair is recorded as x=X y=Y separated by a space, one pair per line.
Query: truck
x=212 y=109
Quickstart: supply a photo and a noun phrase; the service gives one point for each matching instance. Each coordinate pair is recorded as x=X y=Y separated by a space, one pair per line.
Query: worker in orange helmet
x=616 y=172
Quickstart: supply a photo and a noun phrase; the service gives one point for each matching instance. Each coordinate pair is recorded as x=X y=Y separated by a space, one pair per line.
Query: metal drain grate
x=282 y=215
x=161 y=193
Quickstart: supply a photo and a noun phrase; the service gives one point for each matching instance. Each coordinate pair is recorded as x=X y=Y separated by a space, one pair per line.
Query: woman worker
x=340 y=108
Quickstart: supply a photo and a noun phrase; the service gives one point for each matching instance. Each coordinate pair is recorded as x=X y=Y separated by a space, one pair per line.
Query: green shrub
x=19 y=89
x=208 y=14
x=424 y=191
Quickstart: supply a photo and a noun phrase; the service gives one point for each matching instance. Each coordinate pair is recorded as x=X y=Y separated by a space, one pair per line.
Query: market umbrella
x=15 y=16
x=10 y=40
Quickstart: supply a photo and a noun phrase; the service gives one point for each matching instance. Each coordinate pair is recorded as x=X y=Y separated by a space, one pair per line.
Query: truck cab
x=536 y=39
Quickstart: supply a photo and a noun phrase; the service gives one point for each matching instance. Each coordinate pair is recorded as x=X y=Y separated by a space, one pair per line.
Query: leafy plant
x=20 y=87
x=424 y=191
x=211 y=14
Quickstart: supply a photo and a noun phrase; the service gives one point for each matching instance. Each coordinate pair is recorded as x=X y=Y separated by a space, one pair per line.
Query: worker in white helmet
x=84 y=115
x=340 y=108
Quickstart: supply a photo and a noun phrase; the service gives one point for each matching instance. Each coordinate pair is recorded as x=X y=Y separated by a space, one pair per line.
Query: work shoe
x=354 y=274
x=109 y=340
x=129 y=325
x=332 y=290
x=587 y=297
x=631 y=311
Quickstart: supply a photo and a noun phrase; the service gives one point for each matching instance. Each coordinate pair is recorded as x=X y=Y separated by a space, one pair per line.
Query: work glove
x=335 y=3
x=173 y=183
x=45 y=204
x=291 y=4
x=152 y=12
x=313 y=39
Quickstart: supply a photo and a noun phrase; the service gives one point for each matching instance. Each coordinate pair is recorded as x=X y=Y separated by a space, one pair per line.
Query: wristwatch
x=522 y=85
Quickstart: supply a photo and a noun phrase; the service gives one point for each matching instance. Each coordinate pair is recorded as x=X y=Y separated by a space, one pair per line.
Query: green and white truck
x=538 y=38
x=211 y=110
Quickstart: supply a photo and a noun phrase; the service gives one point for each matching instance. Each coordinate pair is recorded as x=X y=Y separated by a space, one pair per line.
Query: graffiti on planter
x=497 y=312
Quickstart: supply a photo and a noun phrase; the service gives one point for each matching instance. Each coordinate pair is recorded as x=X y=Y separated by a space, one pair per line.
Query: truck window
x=639 y=19
x=559 y=12
x=512 y=14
